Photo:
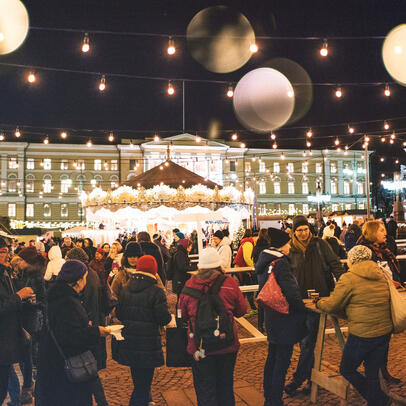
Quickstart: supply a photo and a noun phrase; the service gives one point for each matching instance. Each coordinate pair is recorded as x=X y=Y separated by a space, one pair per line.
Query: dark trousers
x=142 y=380
x=98 y=392
x=213 y=378
x=307 y=344
x=4 y=373
x=370 y=351
x=275 y=370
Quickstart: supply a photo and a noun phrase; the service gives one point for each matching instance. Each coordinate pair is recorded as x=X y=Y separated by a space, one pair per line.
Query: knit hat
x=219 y=234
x=359 y=253
x=278 y=238
x=147 y=263
x=100 y=251
x=209 y=258
x=184 y=243
x=133 y=249
x=77 y=253
x=180 y=235
x=299 y=221
x=72 y=270
x=328 y=231
x=29 y=255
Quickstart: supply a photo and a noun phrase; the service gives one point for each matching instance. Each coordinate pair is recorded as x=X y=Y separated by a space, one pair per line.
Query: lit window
x=333 y=167
x=277 y=188
x=11 y=209
x=64 y=210
x=114 y=165
x=262 y=188
x=97 y=164
x=291 y=209
x=248 y=167
x=262 y=166
x=319 y=168
x=29 y=184
x=47 y=186
x=346 y=188
x=305 y=167
x=291 y=188
x=305 y=188
x=348 y=206
x=290 y=167
x=305 y=208
x=12 y=163
x=360 y=188
x=64 y=165
x=12 y=184
x=81 y=164
x=334 y=207
x=47 y=164
x=361 y=205
x=262 y=209
x=276 y=167
x=30 y=163
x=47 y=210
x=232 y=166
x=65 y=184
x=333 y=187
x=30 y=210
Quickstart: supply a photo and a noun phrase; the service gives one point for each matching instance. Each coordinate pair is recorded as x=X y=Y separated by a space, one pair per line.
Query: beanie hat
x=278 y=238
x=209 y=258
x=299 y=221
x=147 y=263
x=184 y=243
x=219 y=234
x=72 y=270
x=100 y=251
x=77 y=253
x=133 y=249
x=180 y=235
x=359 y=253
x=329 y=231
x=29 y=255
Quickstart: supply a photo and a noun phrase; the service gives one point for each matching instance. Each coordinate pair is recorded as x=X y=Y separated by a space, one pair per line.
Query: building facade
x=41 y=184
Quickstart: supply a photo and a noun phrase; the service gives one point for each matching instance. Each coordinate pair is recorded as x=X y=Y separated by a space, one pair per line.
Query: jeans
x=4 y=374
x=275 y=370
x=213 y=379
x=14 y=387
x=372 y=352
x=142 y=380
x=307 y=344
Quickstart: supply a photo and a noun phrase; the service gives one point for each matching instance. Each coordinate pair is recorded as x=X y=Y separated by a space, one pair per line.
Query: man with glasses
x=315 y=266
x=11 y=333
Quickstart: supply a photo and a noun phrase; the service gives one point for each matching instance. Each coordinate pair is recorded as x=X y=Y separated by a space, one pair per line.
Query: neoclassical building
x=40 y=184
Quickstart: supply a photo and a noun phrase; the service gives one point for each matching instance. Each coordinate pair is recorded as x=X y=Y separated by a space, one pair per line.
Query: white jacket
x=225 y=253
x=55 y=262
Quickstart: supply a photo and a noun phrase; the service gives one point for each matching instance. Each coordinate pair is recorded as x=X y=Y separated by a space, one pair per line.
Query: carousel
x=165 y=197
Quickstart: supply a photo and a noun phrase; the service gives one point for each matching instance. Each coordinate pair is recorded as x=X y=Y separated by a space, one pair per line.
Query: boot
x=26 y=395
x=388 y=377
x=291 y=388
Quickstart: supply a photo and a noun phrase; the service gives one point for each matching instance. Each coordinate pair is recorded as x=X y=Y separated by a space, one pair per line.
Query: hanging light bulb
x=171 y=47
x=274 y=145
x=242 y=145
x=366 y=139
x=324 y=49
x=383 y=139
x=64 y=134
x=89 y=143
x=308 y=144
x=397 y=161
x=346 y=147
x=386 y=92
x=351 y=130
x=234 y=137
x=254 y=48
x=102 y=84
x=2 y=137
x=382 y=159
x=391 y=141
x=17 y=133
x=386 y=125
x=393 y=136
x=309 y=133
x=111 y=137
x=31 y=77
x=282 y=155
x=230 y=91
x=404 y=144
x=338 y=93
x=273 y=136
x=132 y=145
x=337 y=141
x=304 y=153
x=171 y=89
x=198 y=139
x=85 y=43
x=156 y=138
x=46 y=141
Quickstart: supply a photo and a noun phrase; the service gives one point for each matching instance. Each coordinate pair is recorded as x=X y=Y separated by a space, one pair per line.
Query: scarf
x=301 y=245
x=383 y=252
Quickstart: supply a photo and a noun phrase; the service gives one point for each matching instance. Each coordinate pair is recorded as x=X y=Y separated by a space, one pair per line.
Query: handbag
x=271 y=294
x=78 y=368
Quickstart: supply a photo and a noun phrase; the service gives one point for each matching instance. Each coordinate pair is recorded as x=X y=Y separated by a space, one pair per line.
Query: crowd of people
x=58 y=300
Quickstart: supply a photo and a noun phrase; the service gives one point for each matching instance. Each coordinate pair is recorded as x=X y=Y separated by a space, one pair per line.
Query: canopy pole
x=199 y=237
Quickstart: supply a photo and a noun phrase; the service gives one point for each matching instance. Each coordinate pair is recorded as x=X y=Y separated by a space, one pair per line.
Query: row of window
x=293 y=209
x=64 y=164
x=305 y=188
x=46 y=210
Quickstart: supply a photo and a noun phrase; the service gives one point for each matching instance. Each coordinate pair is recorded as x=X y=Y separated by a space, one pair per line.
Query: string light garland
x=31 y=78
x=171 y=89
x=230 y=91
x=102 y=84
x=86 y=43
x=17 y=133
x=171 y=47
x=324 y=49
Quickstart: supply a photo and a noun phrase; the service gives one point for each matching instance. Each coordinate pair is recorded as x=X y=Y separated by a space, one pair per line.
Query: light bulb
x=351 y=130
x=254 y=48
x=111 y=137
x=89 y=143
x=397 y=161
x=234 y=137
x=386 y=125
x=346 y=147
x=64 y=134
x=171 y=89
x=273 y=136
x=393 y=136
x=404 y=143
x=2 y=137
x=171 y=47
x=309 y=133
x=102 y=84
x=337 y=141
x=242 y=145
x=1 y=36
x=398 y=49
x=383 y=139
x=391 y=141
x=339 y=92
x=156 y=138
x=17 y=133
x=282 y=156
x=85 y=43
x=308 y=144
x=386 y=91
x=132 y=145
x=324 y=49
x=382 y=159
x=366 y=139
x=31 y=77
x=230 y=91
x=198 y=139
x=274 y=145
x=46 y=141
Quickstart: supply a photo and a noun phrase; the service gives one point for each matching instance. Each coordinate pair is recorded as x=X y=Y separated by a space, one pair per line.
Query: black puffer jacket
x=180 y=265
x=143 y=309
x=149 y=248
x=11 y=345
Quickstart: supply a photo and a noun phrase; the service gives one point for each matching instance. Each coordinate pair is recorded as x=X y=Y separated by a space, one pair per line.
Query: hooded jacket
x=244 y=253
x=231 y=296
x=363 y=294
x=143 y=309
x=224 y=250
x=55 y=262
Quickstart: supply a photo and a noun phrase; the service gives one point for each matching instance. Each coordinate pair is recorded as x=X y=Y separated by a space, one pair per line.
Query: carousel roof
x=170 y=174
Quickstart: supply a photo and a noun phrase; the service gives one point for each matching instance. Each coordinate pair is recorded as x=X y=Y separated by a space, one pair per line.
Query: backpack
x=213 y=329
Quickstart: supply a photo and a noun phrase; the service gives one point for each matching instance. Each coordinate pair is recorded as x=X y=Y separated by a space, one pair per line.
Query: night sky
x=136 y=108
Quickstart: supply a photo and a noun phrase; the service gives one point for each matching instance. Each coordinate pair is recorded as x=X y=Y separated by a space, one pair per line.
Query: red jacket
x=239 y=258
x=231 y=296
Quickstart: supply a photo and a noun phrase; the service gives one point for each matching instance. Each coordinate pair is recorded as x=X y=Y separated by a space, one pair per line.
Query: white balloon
x=13 y=25
x=394 y=53
x=263 y=100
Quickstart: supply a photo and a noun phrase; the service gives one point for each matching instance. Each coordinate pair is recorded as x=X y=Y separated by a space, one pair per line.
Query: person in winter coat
x=223 y=248
x=70 y=326
x=113 y=261
x=363 y=294
x=213 y=375
x=12 y=338
x=392 y=227
x=166 y=256
x=333 y=241
x=55 y=263
x=180 y=265
x=89 y=248
x=352 y=235
x=97 y=264
x=315 y=267
x=66 y=246
x=283 y=330
x=143 y=309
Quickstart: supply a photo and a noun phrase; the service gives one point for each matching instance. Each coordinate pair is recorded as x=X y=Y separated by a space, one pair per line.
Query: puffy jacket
x=363 y=294
x=180 y=265
x=149 y=248
x=224 y=250
x=143 y=309
x=55 y=262
x=244 y=253
x=231 y=296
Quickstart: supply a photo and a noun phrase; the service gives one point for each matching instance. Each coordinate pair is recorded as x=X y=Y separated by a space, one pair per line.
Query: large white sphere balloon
x=394 y=53
x=263 y=100
x=13 y=25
